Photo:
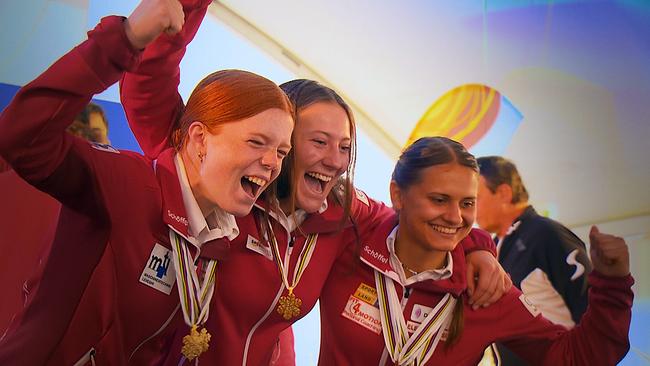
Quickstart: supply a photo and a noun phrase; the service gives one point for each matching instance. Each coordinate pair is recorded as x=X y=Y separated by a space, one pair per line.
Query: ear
x=395 y=195
x=504 y=192
x=197 y=134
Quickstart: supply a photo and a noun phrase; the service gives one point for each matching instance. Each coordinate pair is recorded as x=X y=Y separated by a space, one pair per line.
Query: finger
x=480 y=287
x=496 y=295
x=175 y=25
x=593 y=232
x=507 y=283
x=482 y=292
x=170 y=31
x=611 y=245
x=491 y=288
x=614 y=253
x=178 y=13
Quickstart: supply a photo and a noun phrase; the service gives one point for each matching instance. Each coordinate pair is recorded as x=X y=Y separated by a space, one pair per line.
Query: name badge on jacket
x=257 y=246
x=159 y=270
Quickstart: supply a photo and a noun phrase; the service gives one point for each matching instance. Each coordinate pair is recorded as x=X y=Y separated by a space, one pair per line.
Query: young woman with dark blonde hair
x=406 y=302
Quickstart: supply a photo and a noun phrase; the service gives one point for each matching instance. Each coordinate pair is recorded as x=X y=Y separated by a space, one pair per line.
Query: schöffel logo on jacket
x=380 y=257
x=177 y=218
x=159 y=270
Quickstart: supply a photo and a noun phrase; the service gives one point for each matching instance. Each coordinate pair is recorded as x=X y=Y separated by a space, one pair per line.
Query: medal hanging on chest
x=194 y=294
x=420 y=346
x=289 y=305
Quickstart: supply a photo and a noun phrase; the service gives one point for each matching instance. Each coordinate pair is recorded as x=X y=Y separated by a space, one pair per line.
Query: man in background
x=91 y=124
x=545 y=259
x=98 y=124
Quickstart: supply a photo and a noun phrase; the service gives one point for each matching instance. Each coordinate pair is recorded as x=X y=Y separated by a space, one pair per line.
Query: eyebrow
x=329 y=135
x=447 y=196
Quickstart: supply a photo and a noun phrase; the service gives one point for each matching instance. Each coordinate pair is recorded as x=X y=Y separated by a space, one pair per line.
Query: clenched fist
x=151 y=18
x=609 y=254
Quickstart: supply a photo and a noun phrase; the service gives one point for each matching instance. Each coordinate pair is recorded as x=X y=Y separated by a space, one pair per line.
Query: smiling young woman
x=380 y=314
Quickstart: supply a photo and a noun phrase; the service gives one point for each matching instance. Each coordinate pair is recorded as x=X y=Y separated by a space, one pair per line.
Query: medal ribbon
x=418 y=348
x=303 y=260
x=301 y=265
x=194 y=296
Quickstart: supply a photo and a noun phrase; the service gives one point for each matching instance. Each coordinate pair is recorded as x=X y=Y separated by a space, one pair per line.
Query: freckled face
x=242 y=159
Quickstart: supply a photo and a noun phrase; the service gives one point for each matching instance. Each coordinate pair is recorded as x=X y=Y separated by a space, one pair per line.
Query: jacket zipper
x=165 y=324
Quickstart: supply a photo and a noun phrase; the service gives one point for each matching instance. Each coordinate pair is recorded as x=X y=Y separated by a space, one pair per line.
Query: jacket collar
x=317 y=223
x=174 y=214
x=375 y=254
x=528 y=213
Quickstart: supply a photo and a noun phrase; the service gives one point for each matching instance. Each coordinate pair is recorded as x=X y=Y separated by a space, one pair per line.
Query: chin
x=446 y=245
x=309 y=205
x=237 y=209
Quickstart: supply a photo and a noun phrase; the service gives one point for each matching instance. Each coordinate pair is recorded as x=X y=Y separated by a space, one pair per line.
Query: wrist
x=136 y=43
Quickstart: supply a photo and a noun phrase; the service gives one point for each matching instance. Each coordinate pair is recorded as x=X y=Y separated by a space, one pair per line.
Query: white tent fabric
x=576 y=70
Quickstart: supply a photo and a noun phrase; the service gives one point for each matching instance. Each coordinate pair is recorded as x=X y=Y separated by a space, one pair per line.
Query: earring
x=201 y=157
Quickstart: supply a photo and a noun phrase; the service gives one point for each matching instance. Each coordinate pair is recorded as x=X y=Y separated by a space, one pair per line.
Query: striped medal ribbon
x=195 y=295
x=289 y=305
x=418 y=348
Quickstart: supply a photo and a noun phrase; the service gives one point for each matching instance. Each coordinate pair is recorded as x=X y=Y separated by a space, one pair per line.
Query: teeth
x=259 y=181
x=444 y=230
x=319 y=176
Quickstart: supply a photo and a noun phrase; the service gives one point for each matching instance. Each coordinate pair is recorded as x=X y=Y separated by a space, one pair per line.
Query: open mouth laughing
x=317 y=181
x=253 y=185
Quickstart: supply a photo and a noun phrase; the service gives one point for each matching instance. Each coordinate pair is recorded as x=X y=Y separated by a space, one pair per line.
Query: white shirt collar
x=291 y=222
x=432 y=274
x=202 y=229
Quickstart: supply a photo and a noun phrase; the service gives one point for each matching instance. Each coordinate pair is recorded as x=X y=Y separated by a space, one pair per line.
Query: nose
x=271 y=160
x=453 y=215
x=336 y=159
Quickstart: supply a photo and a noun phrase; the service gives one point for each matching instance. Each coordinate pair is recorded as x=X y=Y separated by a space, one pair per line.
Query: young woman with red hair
x=146 y=219
x=277 y=266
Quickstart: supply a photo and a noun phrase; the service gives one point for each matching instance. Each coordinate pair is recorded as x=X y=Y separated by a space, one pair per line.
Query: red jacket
x=118 y=206
x=601 y=338
x=243 y=319
x=27 y=222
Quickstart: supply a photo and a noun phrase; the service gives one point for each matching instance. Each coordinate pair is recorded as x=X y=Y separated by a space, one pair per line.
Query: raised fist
x=609 y=254
x=151 y=18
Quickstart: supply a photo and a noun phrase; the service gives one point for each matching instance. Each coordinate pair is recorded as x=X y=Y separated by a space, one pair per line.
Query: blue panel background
x=118 y=132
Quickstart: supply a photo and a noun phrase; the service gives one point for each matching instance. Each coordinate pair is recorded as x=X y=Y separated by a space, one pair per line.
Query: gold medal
x=195 y=343
x=289 y=305
x=194 y=295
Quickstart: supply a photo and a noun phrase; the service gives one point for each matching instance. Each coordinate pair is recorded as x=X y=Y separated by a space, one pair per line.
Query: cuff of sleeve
x=110 y=36
x=598 y=279
x=479 y=240
x=195 y=4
